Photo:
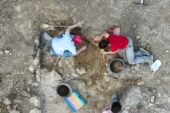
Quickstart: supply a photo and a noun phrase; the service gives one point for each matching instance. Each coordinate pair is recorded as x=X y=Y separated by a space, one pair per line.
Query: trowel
x=141 y=3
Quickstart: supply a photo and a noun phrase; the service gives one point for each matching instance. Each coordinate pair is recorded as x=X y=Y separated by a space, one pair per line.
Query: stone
x=36 y=84
x=17 y=8
x=138 y=37
x=35 y=110
x=152 y=99
x=140 y=82
x=35 y=101
x=15 y=111
x=8 y=107
x=38 y=75
x=75 y=75
x=31 y=69
x=159 y=95
x=36 y=42
x=81 y=71
x=106 y=78
x=25 y=94
x=7 y=101
x=6 y=51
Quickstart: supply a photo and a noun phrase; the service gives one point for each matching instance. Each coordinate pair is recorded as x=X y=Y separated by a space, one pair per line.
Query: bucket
x=116 y=66
x=64 y=90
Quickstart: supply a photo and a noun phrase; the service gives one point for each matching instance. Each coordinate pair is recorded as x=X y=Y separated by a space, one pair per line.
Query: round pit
x=117 y=65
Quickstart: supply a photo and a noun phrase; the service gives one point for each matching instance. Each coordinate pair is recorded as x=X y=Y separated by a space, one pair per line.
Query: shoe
x=155 y=66
x=114 y=98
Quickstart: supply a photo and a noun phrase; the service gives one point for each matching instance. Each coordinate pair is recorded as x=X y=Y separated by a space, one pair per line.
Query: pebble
x=105 y=73
x=75 y=75
x=6 y=51
x=36 y=42
x=8 y=107
x=167 y=51
x=36 y=84
x=31 y=69
x=35 y=110
x=35 y=101
x=140 y=82
x=152 y=99
x=138 y=37
x=106 y=78
x=18 y=8
x=25 y=94
x=81 y=71
x=7 y=101
x=159 y=95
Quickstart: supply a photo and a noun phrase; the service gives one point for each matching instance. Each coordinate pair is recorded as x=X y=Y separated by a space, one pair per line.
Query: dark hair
x=63 y=90
x=116 y=107
x=103 y=44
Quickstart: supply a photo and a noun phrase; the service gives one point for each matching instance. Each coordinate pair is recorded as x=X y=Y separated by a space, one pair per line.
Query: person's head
x=77 y=39
x=116 y=107
x=103 y=44
x=114 y=30
x=63 y=90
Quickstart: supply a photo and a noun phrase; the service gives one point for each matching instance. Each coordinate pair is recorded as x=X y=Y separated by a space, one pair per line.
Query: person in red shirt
x=112 y=41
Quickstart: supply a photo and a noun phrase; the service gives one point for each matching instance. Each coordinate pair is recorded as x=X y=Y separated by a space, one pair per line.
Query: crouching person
x=65 y=45
x=115 y=107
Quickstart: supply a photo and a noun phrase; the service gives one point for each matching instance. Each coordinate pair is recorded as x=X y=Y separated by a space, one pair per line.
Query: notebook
x=75 y=101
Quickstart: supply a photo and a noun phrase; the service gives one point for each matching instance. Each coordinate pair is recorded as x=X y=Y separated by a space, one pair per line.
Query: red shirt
x=117 y=42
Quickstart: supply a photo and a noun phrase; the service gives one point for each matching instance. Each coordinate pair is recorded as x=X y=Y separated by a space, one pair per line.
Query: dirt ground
x=29 y=75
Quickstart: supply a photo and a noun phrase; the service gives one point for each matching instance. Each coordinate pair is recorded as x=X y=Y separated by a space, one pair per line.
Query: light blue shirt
x=64 y=43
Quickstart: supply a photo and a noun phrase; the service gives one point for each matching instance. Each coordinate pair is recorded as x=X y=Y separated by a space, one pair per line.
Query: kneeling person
x=65 y=44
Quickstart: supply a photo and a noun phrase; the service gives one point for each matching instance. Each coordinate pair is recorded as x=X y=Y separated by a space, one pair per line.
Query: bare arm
x=108 y=53
x=81 y=50
x=98 y=38
x=79 y=24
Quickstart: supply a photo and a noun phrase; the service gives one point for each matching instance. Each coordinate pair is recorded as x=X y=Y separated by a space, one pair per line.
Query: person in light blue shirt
x=65 y=45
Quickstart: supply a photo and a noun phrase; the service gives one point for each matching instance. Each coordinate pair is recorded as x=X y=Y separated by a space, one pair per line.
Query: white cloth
x=59 y=45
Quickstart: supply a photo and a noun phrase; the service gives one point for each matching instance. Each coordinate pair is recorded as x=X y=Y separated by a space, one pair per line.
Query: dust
x=92 y=60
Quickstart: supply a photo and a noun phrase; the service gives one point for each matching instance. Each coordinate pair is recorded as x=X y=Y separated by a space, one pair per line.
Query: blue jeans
x=47 y=39
x=136 y=57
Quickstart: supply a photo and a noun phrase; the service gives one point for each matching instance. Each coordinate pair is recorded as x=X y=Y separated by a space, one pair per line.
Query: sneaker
x=114 y=98
x=155 y=66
